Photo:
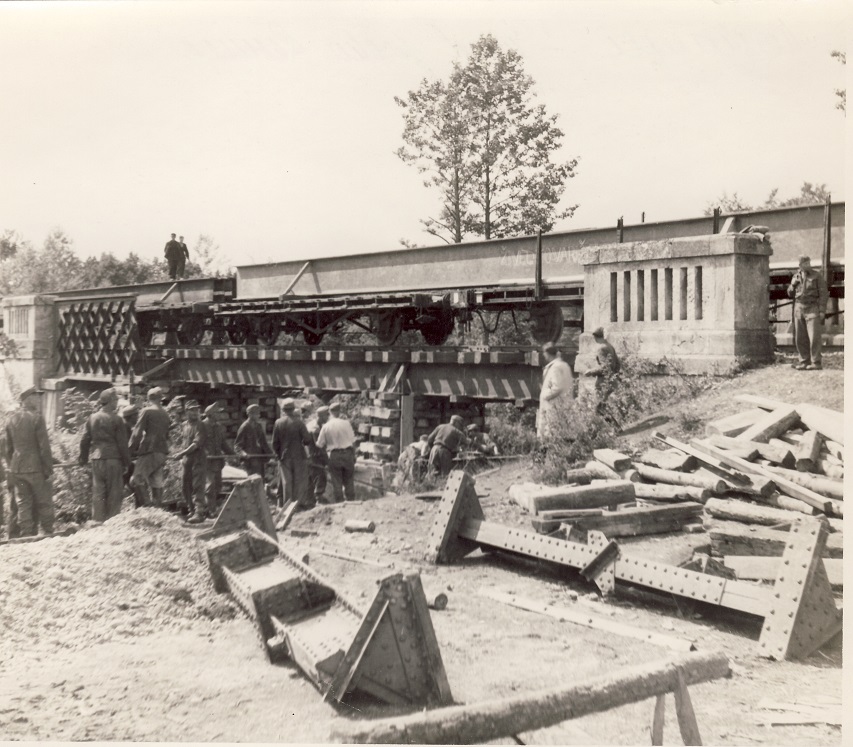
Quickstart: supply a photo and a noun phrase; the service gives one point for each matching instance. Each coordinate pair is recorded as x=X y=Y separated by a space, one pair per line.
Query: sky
x=272 y=127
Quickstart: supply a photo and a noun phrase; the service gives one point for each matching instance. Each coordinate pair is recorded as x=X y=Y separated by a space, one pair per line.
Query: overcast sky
x=272 y=126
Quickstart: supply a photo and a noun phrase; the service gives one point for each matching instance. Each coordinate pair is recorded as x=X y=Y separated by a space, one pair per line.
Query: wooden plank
x=829 y=423
x=670 y=477
x=733 y=425
x=757 y=487
x=765 y=568
x=599 y=470
x=825 y=486
x=671 y=492
x=829 y=469
x=771 y=424
x=765 y=403
x=783 y=457
x=807 y=452
x=671 y=459
x=734 y=539
x=613 y=459
x=748 y=513
x=743 y=449
x=658 y=720
x=483 y=722
x=584 y=496
x=637 y=522
x=684 y=712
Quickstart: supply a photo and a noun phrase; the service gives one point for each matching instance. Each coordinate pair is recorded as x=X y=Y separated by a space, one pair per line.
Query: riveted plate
x=458 y=503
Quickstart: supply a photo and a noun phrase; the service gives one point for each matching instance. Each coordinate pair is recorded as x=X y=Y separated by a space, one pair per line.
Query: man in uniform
x=556 y=393
x=173 y=254
x=104 y=442
x=182 y=261
x=150 y=442
x=218 y=447
x=604 y=367
x=30 y=465
x=444 y=444
x=194 y=455
x=479 y=441
x=289 y=439
x=317 y=459
x=810 y=294
x=337 y=437
x=130 y=415
x=251 y=444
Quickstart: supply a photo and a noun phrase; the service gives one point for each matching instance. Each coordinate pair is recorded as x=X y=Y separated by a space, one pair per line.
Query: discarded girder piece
x=601 y=570
x=247 y=502
x=390 y=653
x=458 y=503
x=802 y=615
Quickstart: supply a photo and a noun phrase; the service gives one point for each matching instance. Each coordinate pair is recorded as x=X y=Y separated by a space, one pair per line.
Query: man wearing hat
x=130 y=415
x=30 y=465
x=444 y=444
x=317 y=459
x=810 y=294
x=337 y=437
x=104 y=443
x=182 y=261
x=173 y=254
x=604 y=366
x=556 y=392
x=194 y=455
x=251 y=444
x=289 y=439
x=150 y=441
x=479 y=441
x=217 y=448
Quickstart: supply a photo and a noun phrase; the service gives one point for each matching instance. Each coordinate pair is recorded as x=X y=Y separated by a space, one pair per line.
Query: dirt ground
x=67 y=673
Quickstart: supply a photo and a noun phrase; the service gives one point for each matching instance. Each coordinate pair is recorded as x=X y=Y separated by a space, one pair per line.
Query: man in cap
x=182 y=260
x=194 y=456
x=130 y=415
x=337 y=437
x=175 y=409
x=557 y=390
x=604 y=366
x=150 y=441
x=810 y=294
x=479 y=441
x=251 y=444
x=104 y=443
x=218 y=447
x=30 y=465
x=289 y=439
x=444 y=444
x=317 y=459
x=173 y=254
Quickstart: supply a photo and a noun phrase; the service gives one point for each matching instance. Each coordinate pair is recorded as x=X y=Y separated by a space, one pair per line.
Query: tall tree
x=487 y=146
x=841 y=92
x=810 y=194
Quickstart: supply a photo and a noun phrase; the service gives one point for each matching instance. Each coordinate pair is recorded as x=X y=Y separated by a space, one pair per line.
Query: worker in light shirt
x=338 y=439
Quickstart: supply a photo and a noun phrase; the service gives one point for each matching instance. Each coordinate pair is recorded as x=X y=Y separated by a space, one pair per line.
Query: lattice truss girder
x=98 y=337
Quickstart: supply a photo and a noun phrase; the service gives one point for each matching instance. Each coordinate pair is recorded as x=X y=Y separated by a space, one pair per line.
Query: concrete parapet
x=699 y=302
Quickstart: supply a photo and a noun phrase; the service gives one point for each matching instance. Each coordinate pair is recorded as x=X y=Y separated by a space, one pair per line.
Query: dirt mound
x=138 y=573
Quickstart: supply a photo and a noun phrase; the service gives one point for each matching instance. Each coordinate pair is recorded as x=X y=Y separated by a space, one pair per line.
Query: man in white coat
x=557 y=390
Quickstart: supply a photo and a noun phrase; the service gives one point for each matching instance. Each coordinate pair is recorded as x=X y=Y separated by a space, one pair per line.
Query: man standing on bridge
x=182 y=261
x=173 y=253
x=289 y=439
x=810 y=294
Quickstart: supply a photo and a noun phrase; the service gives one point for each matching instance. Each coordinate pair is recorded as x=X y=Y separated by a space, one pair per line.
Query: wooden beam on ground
x=636 y=522
x=483 y=722
x=733 y=425
x=600 y=471
x=745 y=449
x=670 y=477
x=546 y=522
x=783 y=457
x=773 y=424
x=748 y=513
x=583 y=496
x=613 y=459
x=755 y=486
x=671 y=459
x=825 y=486
x=808 y=451
x=764 y=568
x=734 y=539
x=663 y=492
x=829 y=422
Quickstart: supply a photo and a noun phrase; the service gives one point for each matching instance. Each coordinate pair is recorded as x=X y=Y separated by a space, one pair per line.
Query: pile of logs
x=763 y=467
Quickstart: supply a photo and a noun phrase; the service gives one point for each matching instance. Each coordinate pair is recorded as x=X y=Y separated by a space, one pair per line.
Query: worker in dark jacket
x=150 y=442
x=194 y=455
x=289 y=439
x=317 y=458
x=104 y=443
x=185 y=255
x=810 y=294
x=251 y=444
x=217 y=447
x=173 y=253
x=30 y=465
x=444 y=443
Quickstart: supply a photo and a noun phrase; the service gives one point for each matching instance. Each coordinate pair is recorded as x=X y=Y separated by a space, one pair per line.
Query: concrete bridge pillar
x=30 y=324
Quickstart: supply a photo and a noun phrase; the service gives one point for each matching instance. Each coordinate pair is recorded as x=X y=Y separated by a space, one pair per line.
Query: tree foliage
x=484 y=143
x=810 y=194
x=841 y=93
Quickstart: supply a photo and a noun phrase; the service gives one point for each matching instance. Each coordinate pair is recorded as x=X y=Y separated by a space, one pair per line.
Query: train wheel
x=438 y=330
x=546 y=322
x=312 y=338
x=388 y=328
x=191 y=330
x=268 y=329
x=238 y=330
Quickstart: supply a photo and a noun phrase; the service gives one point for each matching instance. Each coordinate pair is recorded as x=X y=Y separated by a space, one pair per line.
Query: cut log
x=671 y=492
x=829 y=423
x=782 y=457
x=834 y=448
x=744 y=449
x=631 y=475
x=778 y=500
x=584 y=496
x=669 y=459
x=635 y=522
x=707 y=461
x=578 y=476
x=600 y=471
x=764 y=568
x=359 y=525
x=757 y=487
x=771 y=425
x=670 y=477
x=748 y=513
x=807 y=452
x=734 y=539
x=483 y=722
x=613 y=459
x=825 y=486
x=830 y=469
x=786 y=486
x=733 y=425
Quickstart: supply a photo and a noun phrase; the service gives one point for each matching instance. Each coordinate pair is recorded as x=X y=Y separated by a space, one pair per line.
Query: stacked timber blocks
x=381 y=431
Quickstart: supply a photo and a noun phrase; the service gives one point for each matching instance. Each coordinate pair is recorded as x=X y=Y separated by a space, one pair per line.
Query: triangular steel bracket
x=394 y=655
x=458 y=503
x=802 y=615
